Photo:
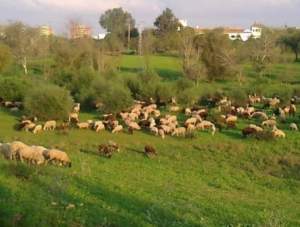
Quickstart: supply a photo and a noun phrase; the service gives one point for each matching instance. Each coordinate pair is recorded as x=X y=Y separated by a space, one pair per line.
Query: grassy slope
x=209 y=181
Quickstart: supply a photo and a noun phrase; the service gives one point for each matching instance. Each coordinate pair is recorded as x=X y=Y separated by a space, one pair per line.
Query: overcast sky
x=238 y=13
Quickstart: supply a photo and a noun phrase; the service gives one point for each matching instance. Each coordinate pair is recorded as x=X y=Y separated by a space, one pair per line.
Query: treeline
x=87 y=70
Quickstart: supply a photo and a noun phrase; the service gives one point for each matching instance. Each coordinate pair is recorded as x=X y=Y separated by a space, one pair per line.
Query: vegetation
x=225 y=180
x=48 y=102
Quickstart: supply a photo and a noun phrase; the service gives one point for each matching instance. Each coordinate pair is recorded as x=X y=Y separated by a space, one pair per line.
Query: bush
x=115 y=98
x=48 y=102
x=238 y=96
x=13 y=88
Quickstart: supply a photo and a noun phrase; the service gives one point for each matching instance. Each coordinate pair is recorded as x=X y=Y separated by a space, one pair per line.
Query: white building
x=254 y=32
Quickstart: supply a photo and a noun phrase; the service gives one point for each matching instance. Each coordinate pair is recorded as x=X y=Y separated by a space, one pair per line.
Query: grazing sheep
x=294 y=127
x=251 y=130
x=174 y=109
x=293 y=110
x=54 y=155
x=161 y=133
x=73 y=117
x=31 y=154
x=14 y=147
x=29 y=127
x=277 y=133
x=83 y=125
x=269 y=123
x=261 y=115
x=117 y=129
x=37 y=129
x=150 y=151
x=154 y=130
x=167 y=129
x=133 y=125
x=207 y=125
x=179 y=132
x=190 y=121
x=107 y=150
x=49 y=125
x=99 y=126
x=190 y=128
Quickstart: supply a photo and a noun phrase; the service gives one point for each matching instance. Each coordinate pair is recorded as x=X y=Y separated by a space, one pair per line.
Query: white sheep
x=294 y=127
x=37 y=129
x=31 y=155
x=179 y=131
x=117 y=129
x=55 y=155
x=207 y=125
x=49 y=125
x=276 y=133
x=83 y=125
x=99 y=126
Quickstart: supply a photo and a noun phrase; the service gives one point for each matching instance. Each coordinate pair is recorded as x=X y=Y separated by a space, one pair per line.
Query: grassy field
x=224 y=180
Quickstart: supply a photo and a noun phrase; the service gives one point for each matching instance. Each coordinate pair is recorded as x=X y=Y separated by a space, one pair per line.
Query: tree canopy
x=116 y=21
x=291 y=40
x=167 y=22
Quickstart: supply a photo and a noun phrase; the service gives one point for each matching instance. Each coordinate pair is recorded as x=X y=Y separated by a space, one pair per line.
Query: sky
x=202 y=13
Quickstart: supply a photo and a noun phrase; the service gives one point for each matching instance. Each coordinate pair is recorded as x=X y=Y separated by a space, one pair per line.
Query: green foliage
x=116 y=21
x=115 y=98
x=5 y=57
x=48 y=102
x=291 y=40
x=167 y=22
x=217 y=55
x=14 y=88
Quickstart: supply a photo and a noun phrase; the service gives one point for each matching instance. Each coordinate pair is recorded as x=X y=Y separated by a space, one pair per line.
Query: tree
x=117 y=21
x=262 y=51
x=217 y=54
x=167 y=22
x=191 y=55
x=291 y=40
x=5 y=57
x=23 y=42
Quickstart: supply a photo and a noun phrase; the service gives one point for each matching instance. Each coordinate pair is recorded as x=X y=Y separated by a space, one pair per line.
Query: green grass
x=206 y=181
x=224 y=180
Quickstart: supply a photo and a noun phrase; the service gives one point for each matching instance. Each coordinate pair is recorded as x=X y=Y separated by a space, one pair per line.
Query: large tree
x=217 y=54
x=5 y=57
x=117 y=21
x=291 y=40
x=167 y=22
x=23 y=42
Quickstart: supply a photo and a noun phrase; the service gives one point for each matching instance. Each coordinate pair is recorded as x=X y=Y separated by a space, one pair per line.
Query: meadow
x=225 y=180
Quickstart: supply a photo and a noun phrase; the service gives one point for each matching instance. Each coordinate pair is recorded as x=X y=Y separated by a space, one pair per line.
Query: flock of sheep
x=148 y=117
x=37 y=155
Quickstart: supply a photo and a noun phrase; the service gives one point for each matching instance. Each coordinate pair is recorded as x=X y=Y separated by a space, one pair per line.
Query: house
x=254 y=32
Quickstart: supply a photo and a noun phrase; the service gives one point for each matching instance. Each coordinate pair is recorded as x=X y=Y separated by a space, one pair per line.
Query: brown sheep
x=150 y=151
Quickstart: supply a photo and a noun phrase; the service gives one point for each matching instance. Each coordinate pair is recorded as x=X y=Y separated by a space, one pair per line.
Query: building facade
x=79 y=31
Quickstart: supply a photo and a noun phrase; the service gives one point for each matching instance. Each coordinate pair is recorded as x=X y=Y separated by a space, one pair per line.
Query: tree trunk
x=24 y=64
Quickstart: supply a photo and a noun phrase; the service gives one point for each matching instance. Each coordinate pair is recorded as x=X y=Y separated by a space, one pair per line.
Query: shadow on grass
x=168 y=74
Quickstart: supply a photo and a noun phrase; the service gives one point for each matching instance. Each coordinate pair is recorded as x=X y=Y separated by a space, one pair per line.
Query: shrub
x=115 y=98
x=48 y=102
x=13 y=88
x=238 y=96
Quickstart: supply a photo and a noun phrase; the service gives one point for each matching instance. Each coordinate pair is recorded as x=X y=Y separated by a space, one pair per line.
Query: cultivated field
x=225 y=180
